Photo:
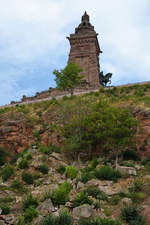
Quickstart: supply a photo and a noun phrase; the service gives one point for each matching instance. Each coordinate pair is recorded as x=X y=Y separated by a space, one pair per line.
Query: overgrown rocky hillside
x=57 y=159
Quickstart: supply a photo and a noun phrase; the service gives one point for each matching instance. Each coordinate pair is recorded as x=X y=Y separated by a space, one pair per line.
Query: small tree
x=68 y=78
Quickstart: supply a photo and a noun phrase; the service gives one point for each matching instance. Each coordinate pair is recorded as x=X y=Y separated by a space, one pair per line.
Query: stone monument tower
x=85 y=50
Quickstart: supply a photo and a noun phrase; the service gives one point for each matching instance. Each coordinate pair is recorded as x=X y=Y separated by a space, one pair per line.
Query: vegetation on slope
x=95 y=130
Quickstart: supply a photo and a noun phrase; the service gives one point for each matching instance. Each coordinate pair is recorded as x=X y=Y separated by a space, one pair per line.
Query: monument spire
x=85 y=17
x=85 y=50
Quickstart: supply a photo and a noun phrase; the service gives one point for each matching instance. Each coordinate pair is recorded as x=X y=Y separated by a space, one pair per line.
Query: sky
x=33 y=41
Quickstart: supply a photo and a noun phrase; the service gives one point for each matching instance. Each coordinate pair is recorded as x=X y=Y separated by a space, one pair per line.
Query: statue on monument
x=104 y=79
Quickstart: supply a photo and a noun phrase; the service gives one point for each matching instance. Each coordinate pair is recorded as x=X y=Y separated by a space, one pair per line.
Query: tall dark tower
x=85 y=50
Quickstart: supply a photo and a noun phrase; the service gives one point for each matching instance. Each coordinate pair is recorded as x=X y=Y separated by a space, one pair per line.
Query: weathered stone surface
x=109 y=190
x=46 y=207
x=85 y=51
x=80 y=185
x=56 y=156
x=38 y=220
x=146 y=213
x=9 y=219
x=2 y=222
x=16 y=133
x=127 y=170
x=93 y=183
x=126 y=201
x=83 y=211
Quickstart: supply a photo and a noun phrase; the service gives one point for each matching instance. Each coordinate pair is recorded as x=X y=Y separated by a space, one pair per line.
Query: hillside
x=63 y=153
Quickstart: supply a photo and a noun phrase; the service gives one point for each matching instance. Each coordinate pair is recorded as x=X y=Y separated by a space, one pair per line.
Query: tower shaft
x=85 y=50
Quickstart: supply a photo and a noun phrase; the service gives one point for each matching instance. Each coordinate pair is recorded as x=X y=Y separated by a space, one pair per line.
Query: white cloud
x=32 y=33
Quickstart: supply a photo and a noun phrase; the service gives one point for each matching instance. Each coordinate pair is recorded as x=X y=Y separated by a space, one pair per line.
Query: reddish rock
x=15 y=133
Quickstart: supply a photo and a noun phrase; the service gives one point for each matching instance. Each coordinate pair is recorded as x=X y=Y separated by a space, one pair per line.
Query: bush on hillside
x=131 y=215
x=71 y=172
x=107 y=173
x=18 y=186
x=96 y=193
x=61 y=195
x=63 y=219
x=30 y=214
x=61 y=169
x=46 y=149
x=5 y=209
x=81 y=198
x=27 y=177
x=30 y=201
x=23 y=164
x=130 y=154
x=3 y=155
x=87 y=173
x=7 y=172
x=98 y=221
x=43 y=168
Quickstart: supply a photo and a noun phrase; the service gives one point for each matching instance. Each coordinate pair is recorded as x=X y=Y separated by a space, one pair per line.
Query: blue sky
x=33 y=41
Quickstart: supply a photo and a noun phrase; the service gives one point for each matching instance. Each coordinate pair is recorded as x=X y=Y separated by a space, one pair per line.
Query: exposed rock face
x=15 y=132
x=127 y=170
x=83 y=211
x=46 y=208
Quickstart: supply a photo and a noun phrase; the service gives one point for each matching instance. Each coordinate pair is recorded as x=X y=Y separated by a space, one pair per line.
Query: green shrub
x=23 y=164
x=36 y=175
x=137 y=196
x=96 y=193
x=130 y=155
x=46 y=149
x=5 y=209
x=96 y=205
x=30 y=214
x=29 y=156
x=107 y=173
x=107 y=211
x=20 y=221
x=43 y=169
x=46 y=195
x=128 y=164
x=30 y=201
x=61 y=169
x=138 y=185
x=71 y=172
x=98 y=221
x=94 y=163
x=140 y=196
x=3 y=155
x=17 y=185
x=6 y=199
x=131 y=215
x=7 y=172
x=63 y=219
x=81 y=198
x=27 y=177
x=61 y=195
x=87 y=173
x=146 y=161
x=115 y=199
x=36 y=134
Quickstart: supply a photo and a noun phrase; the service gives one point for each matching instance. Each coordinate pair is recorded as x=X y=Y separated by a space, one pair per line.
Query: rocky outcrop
x=15 y=132
x=83 y=211
x=127 y=170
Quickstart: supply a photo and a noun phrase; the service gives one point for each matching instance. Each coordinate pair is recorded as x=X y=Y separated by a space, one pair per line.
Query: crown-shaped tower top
x=85 y=17
x=85 y=26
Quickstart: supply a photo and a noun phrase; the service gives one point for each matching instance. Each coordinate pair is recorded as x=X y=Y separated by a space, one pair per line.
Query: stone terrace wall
x=51 y=93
